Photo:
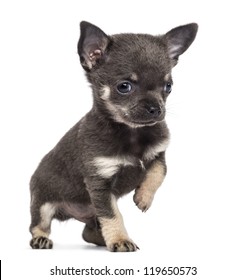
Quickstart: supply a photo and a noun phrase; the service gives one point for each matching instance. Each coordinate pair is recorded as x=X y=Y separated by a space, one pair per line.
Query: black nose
x=154 y=111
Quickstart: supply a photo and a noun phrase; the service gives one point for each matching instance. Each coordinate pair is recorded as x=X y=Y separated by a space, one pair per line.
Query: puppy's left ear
x=179 y=39
x=91 y=45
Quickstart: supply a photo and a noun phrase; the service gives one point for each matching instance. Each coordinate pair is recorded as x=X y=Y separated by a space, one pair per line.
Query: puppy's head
x=131 y=73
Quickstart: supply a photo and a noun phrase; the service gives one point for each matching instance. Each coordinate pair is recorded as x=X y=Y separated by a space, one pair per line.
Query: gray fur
x=126 y=131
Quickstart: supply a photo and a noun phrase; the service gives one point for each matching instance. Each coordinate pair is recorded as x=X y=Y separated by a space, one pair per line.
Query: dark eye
x=168 y=87
x=124 y=88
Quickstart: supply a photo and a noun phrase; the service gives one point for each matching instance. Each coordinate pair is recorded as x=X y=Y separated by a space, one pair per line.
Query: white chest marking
x=108 y=166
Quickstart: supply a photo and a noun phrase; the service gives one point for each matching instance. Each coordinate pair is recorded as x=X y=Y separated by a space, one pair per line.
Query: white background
x=197 y=218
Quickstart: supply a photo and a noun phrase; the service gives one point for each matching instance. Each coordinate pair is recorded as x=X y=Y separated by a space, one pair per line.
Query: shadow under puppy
x=119 y=146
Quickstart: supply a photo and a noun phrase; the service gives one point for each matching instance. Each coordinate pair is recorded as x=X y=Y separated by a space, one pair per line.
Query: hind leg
x=40 y=226
x=92 y=234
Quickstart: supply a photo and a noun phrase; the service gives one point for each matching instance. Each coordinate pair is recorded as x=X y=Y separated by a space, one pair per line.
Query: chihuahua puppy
x=119 y=146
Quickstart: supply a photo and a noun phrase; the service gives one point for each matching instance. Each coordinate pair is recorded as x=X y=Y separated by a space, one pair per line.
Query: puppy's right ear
x=91 y=45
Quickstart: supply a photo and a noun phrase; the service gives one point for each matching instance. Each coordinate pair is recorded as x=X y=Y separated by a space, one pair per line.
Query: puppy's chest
x=143 y=147
x=131 y=157
x=135 y=146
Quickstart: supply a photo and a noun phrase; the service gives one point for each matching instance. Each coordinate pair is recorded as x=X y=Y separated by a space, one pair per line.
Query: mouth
x=144 y=123
x=134 y=123
x=140 y=122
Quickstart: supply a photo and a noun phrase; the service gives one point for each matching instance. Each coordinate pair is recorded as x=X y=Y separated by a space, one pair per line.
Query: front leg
x=111 y=220
x=114 y=231
x=144 y=194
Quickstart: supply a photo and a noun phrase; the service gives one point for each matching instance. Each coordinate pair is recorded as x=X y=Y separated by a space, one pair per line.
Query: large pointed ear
x=179 y=39
x=91 y=45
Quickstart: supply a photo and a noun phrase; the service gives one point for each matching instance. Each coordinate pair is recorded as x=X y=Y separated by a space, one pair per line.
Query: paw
x=123 y=245
x=41 y=242
x=143 y=199
x=93 y=235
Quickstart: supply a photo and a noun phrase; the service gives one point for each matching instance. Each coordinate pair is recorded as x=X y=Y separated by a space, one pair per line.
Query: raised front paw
x=41 y=242
x=143 y=199
x=123 y=245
